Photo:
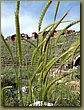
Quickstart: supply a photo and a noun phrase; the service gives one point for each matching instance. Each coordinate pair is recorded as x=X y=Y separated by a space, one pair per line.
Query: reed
x=42 y=14
x=19 y=50
x=57 y=6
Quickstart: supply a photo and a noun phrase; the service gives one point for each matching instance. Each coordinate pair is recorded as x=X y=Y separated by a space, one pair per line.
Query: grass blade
x=36 y=50
x=30 y=42
x=53 y=29
x=19 y=50
x=42 y=14
x=29 y=81
x=75 y=49
x=57 y=6
x=18 y=36
x=2 y=94
x=6 y=87
x=71 y=24
x=7 y=46
x=37 y=70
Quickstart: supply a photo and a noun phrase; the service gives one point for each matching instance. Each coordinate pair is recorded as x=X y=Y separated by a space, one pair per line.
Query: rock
x=39 y=103
x=24 y=89
x=75 y=85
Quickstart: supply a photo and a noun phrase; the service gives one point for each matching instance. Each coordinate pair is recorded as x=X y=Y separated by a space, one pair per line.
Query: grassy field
x=59 y=94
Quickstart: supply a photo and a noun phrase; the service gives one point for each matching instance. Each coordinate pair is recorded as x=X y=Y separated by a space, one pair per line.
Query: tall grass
x=42 y=14
x=57 y=6
x=44 y=66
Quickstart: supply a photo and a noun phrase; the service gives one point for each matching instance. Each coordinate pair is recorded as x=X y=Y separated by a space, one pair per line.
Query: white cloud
x=29 y=18
x=75 y=27
x=7 y=25
x=28 y=24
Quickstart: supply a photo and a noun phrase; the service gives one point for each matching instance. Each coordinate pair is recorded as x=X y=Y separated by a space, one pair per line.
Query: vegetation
x=34 y=64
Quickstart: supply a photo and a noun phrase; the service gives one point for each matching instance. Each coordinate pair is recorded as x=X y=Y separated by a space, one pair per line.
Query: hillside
x=9 y=77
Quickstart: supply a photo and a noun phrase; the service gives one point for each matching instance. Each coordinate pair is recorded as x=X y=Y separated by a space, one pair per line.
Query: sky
x=30 y=12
